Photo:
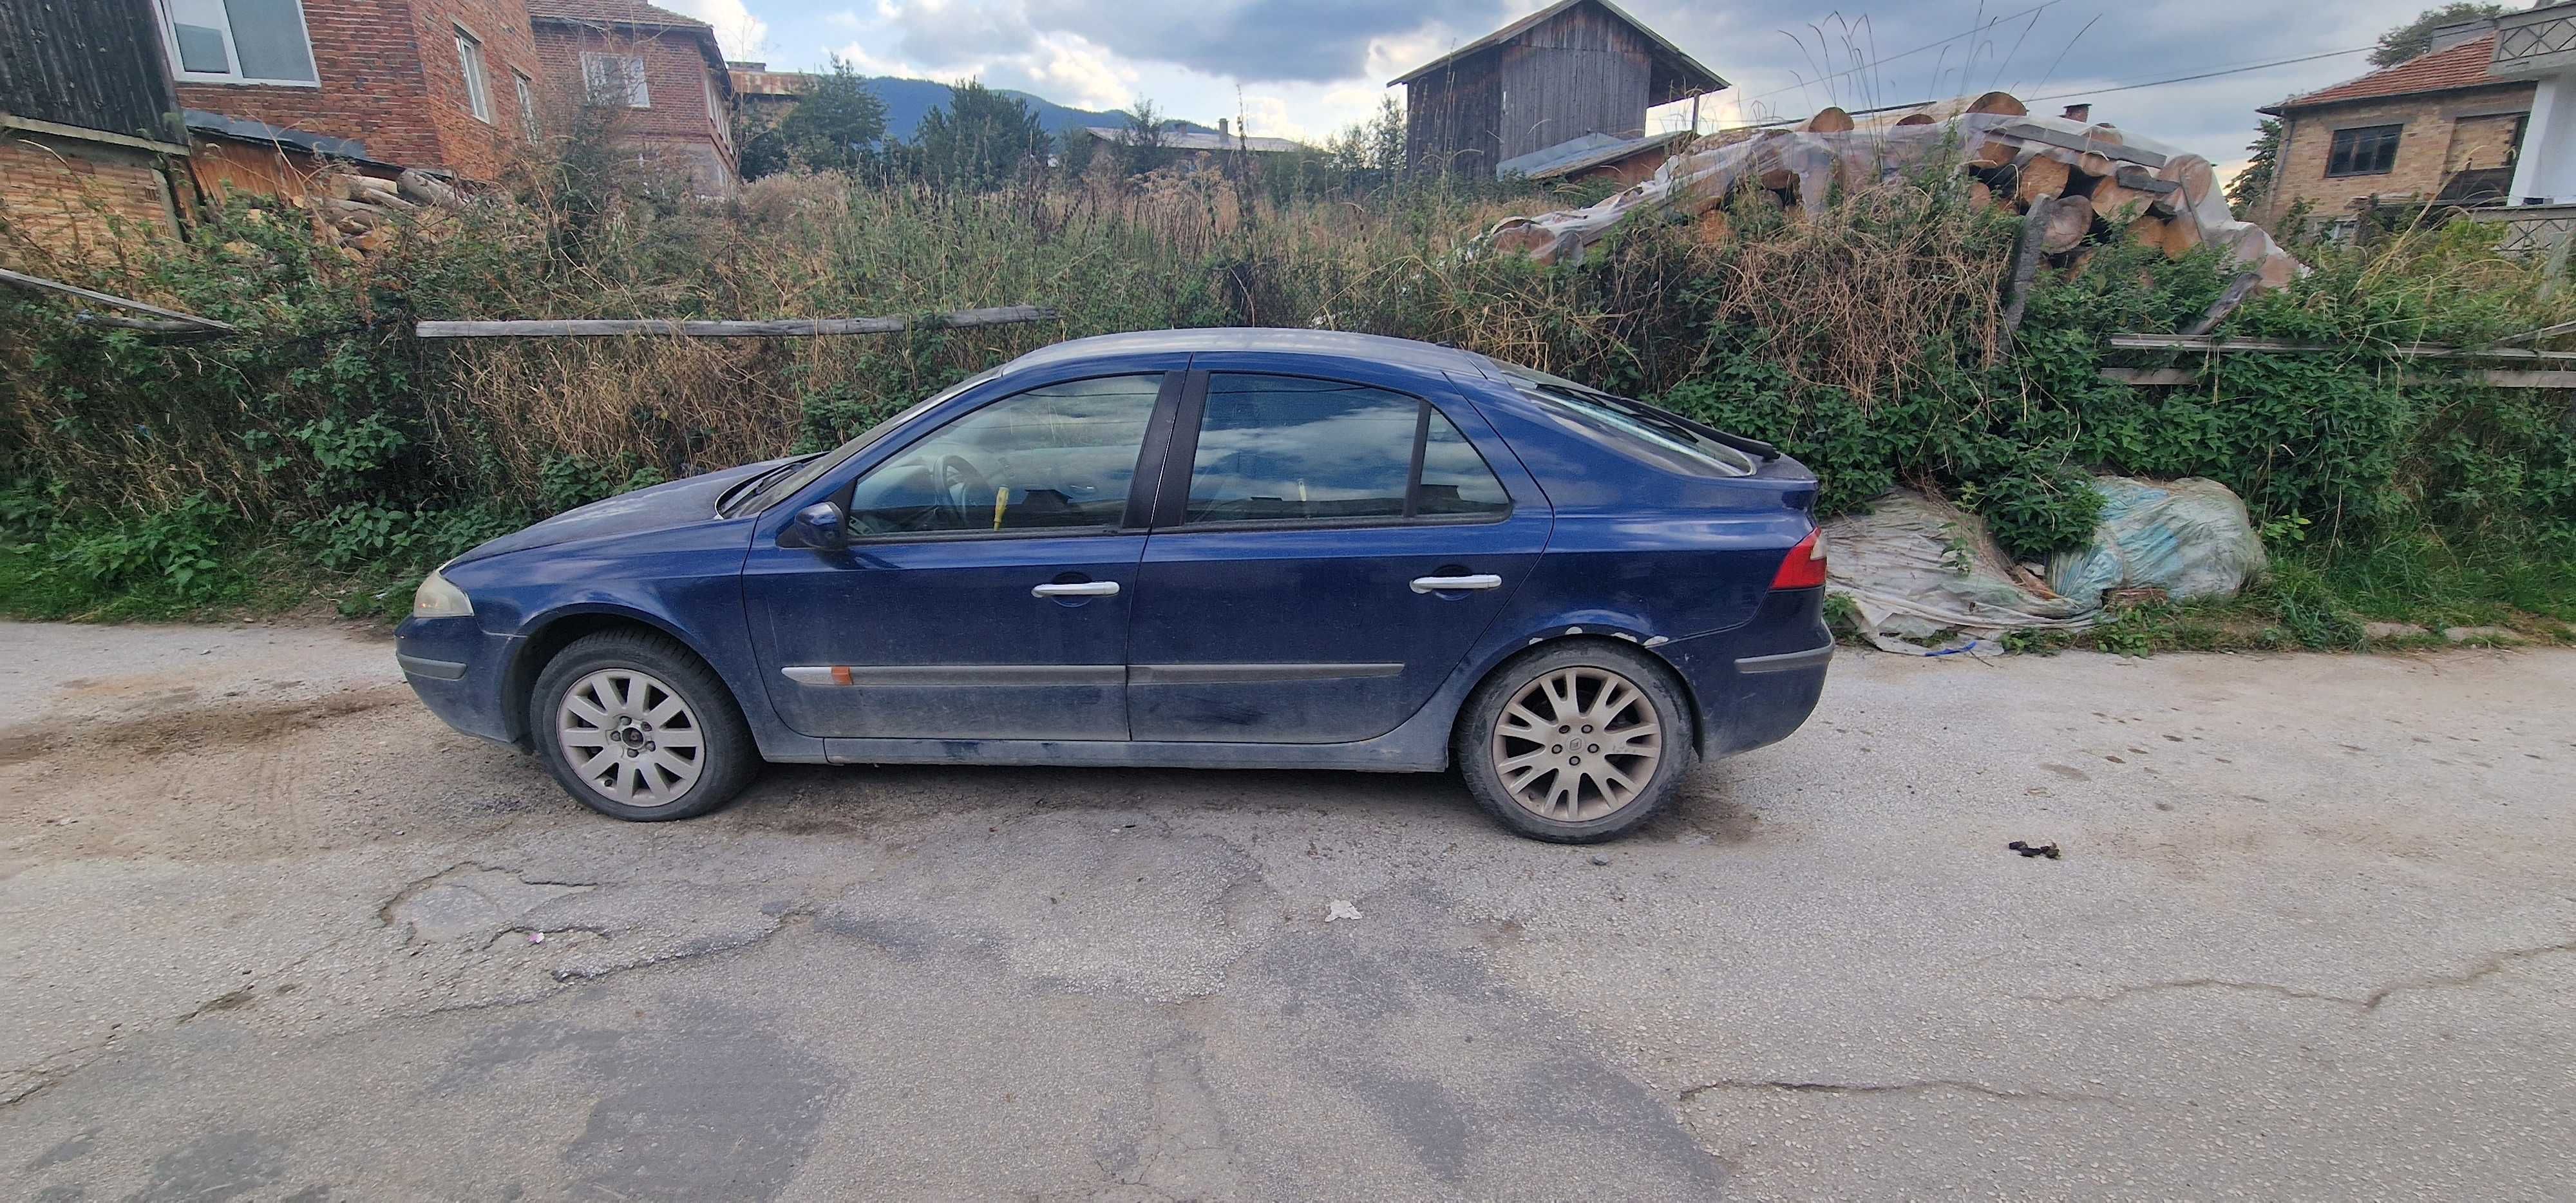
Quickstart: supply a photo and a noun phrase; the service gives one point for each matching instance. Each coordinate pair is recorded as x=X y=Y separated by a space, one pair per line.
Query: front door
x=1338 y=549
x=988 y=582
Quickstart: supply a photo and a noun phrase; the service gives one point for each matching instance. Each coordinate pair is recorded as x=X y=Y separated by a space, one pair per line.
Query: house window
x=2369 y=150
x=238 y=41
x=527 y=103
x=469 y=59
x=612 y=77
x=714 y=112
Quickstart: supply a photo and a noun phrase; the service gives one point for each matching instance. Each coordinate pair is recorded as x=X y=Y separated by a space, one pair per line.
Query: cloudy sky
x=1304 y=68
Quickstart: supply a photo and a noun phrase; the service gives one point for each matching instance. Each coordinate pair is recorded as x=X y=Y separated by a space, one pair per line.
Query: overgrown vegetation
x=325 y=449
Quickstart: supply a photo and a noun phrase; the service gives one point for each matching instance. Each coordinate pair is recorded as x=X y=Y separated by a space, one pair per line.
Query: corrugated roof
x=1676 y=61
x=1191 y=140
x=2461 y=66
x=612 y=12
x=1583 y=154
x=768 y=83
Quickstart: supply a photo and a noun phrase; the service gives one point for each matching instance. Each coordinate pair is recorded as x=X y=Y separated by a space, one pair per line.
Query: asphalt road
x=268 y=931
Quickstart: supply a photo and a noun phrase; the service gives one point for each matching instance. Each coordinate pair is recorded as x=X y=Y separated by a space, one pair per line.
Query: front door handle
x=1447 y=584
x=1077 y=589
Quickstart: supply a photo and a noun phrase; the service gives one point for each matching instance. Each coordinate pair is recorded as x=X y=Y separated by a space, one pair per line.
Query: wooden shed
x=1573 y=68
x=90 y=144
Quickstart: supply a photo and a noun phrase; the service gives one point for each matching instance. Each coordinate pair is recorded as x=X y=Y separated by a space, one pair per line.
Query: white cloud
x=847 y=18
x=1068 y=70
x=740 y=33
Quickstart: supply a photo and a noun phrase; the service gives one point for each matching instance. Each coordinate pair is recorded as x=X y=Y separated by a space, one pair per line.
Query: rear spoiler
x=1750 y=446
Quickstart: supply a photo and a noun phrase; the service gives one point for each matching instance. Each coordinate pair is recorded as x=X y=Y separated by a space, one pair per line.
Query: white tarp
x=1927 y=579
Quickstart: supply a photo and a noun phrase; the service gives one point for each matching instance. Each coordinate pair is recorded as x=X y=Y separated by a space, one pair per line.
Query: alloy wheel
x=1576 y=744
x=630 y=737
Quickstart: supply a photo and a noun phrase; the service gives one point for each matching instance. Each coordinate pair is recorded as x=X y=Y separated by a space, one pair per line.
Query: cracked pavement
x=268 y=931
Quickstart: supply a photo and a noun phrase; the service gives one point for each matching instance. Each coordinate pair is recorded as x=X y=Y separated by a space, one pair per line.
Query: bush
x=1868 y=341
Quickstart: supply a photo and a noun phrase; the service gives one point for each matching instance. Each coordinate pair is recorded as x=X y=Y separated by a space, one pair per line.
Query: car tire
x=638 y=728
x=1576 y=742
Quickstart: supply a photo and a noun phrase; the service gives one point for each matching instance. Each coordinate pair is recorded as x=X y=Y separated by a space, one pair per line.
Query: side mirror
x=820 y=525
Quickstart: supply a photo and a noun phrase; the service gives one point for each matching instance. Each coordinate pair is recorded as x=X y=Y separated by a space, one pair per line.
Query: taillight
x=1805 y=566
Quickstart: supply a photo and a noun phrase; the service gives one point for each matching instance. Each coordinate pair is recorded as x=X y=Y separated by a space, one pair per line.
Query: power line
x=1980 y=28
x=2153 y=83
x=2183 y=79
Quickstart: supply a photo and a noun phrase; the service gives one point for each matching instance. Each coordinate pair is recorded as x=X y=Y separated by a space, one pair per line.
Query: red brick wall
x=474 y=149
x=676 y=78
x=390 y=79
x=69 y=195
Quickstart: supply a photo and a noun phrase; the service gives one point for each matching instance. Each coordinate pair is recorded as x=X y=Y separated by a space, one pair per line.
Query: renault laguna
x=1212 y=548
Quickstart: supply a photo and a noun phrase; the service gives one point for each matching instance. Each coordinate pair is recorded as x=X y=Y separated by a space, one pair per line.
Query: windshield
x=1632 y=419
x=786 y=484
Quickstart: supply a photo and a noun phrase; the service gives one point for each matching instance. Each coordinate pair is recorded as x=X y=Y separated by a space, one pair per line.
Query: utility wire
x=1893 y=57
x=2153 y=83
x=2182 y=79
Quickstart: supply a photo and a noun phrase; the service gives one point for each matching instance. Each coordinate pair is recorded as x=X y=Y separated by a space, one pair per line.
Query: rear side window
x=1287 y=448
x=1631 y=422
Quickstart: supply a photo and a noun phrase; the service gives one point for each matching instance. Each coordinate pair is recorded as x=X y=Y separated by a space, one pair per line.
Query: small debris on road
x=1341 y=908
x=2030 y=849
x=1600 y=860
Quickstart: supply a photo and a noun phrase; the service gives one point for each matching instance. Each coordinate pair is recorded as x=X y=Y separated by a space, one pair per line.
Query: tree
x=836 y=124
x=2416 y=36
x=2255 y=182
x=1144 y=146
x=981 y=141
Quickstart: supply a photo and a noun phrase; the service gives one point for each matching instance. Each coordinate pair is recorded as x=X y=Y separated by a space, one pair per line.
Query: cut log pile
x=358 y=211
x=2088 y=183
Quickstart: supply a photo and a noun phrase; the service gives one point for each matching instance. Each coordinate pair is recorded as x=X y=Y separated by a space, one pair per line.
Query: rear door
x=988 y=583
x=1325 y=552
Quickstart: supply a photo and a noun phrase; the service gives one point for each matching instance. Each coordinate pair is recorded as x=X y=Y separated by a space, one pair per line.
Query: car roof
x=1329 y=343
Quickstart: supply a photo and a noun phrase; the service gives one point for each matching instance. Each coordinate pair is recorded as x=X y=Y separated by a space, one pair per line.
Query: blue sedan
x=1213 y=548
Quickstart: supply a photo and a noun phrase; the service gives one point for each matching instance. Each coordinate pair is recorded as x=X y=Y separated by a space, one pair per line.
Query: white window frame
x=715 y=113
x=639 y=94
x=232 y=54
x=527 y=89
x=478 y=82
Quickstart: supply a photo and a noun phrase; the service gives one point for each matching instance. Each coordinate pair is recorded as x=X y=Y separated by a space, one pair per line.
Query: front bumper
x=457 y=669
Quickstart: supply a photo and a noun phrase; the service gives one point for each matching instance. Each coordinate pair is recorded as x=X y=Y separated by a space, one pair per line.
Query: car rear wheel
x=1575 y=744
x=635 y=727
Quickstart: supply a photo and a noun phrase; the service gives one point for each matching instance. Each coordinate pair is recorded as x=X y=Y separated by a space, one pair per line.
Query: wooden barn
x=1574 y=68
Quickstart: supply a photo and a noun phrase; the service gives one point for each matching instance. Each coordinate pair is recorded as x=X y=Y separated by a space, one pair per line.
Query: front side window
x=469 y=59
x=1285 y=448
x=1061 y=457
x=2370 y=150
x=239 y=41
x=615 y=79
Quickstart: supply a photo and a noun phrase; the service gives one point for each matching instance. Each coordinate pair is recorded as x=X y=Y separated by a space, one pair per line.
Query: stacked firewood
x=359 y=211
x=2082 y=184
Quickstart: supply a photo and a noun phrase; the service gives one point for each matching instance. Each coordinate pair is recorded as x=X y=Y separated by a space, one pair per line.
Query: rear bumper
x=1757 y=683
x=457 y=669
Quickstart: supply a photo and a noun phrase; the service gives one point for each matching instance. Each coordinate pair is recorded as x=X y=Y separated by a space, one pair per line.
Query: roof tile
x=612 y=12
x=2461 y=66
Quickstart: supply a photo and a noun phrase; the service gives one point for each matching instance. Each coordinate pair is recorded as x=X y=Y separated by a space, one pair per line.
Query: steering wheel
x=960 y=484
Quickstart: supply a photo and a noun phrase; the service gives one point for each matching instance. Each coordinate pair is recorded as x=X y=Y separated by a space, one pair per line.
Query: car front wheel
x=1575 y=744
x=635 y=727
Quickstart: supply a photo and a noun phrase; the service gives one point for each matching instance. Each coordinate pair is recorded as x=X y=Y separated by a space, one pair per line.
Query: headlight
x=437 y=599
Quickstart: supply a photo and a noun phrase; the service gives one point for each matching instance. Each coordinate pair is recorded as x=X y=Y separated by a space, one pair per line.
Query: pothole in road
x=470 y=901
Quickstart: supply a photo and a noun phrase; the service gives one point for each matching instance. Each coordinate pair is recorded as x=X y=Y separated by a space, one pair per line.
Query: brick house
x=2437 y=127
x=444 y=85
x=664 y=68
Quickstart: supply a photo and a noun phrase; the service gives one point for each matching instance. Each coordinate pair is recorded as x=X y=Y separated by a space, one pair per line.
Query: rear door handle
x=1079 y=589
x=1446 y=584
